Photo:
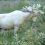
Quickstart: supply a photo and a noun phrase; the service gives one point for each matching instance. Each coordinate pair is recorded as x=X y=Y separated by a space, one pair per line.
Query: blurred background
x=11 y=5
x=29 y=32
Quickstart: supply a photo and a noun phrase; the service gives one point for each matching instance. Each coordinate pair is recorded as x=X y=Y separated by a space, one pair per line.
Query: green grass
x=29 y=32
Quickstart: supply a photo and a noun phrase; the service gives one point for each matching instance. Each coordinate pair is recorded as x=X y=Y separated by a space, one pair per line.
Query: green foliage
x=32 y=33
x=9 y=6
x=29 y=32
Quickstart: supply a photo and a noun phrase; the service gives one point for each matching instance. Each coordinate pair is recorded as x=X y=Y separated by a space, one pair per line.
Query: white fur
x=14 y=18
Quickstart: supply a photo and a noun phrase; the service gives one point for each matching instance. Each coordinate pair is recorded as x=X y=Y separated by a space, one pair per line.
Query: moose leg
x=15 y=29
x=15 y=34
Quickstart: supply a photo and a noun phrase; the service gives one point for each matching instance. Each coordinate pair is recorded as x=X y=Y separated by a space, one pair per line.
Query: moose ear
x=38 y=6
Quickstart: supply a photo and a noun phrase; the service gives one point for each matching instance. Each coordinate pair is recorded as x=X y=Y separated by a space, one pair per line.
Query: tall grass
x=29 y=32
